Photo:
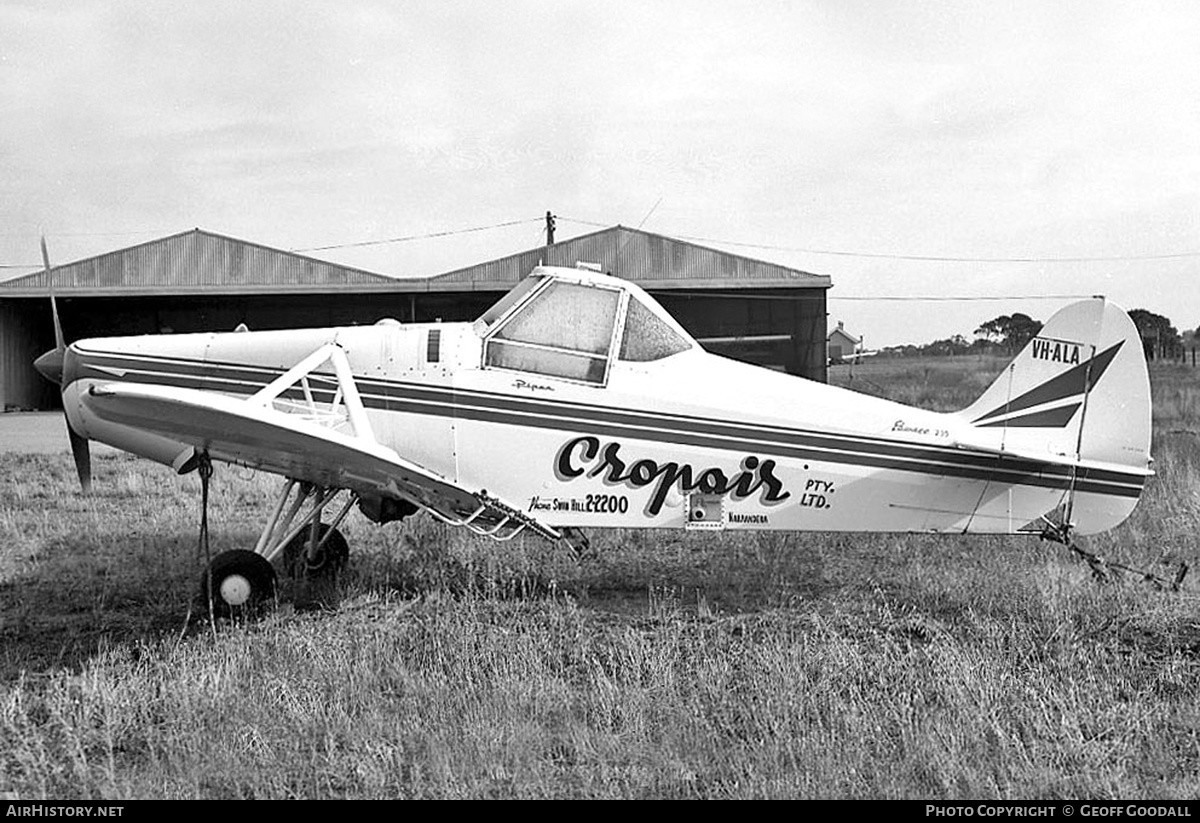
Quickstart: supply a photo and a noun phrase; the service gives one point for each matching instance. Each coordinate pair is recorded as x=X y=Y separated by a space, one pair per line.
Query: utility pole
x=549 y=235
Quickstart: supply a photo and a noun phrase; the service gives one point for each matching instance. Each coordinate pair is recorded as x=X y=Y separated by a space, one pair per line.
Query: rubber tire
x=331 y=558
x=252 y=568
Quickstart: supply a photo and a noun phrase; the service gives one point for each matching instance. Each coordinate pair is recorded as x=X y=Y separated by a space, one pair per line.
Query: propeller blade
x=59 y=341
x=82 y=453
x=50 y=365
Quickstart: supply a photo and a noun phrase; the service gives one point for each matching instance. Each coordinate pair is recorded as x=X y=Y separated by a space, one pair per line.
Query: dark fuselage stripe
x=675 y=429
x=458 y=398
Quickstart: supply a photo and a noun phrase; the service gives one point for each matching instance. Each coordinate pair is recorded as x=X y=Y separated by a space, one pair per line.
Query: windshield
x=566 y=331
x=509 y=300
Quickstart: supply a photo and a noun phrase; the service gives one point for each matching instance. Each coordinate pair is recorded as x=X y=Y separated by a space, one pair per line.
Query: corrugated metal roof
x=197 y=261
x=650 y=260
x=201 y=262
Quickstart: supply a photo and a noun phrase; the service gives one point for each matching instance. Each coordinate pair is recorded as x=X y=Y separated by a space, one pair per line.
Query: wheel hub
x=235 y=590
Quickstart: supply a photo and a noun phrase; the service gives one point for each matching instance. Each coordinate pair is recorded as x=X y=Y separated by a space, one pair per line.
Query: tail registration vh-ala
x=577 y=402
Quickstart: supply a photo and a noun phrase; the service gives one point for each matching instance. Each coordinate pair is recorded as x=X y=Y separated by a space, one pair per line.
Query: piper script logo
x=1055 y=351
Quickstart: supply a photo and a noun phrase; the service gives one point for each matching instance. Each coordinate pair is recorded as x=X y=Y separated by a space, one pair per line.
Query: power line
x=88 y=233
x=933 y=258
x=644 y=219
x=540 y=235
x=802 y=249
x=652 y=208
x=968 y=298
x=314 y=248
x=924 y=258
x=884 y=298
x=592 y=222
x=406 y=238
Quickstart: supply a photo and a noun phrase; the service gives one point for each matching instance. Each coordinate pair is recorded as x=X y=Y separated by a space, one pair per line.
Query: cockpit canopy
x=568 y=324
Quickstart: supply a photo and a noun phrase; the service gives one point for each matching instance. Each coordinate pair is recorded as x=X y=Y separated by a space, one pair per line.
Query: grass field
x=671 y=665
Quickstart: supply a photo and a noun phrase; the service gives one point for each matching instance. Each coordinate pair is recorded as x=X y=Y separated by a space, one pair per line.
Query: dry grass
x=938 y=383
x=671 y=666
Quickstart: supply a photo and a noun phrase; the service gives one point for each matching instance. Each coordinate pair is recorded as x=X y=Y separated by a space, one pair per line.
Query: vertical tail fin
x=1078 y=394
x=1079 y=390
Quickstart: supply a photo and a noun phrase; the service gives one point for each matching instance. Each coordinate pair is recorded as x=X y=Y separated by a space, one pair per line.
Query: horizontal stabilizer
x=987 y=444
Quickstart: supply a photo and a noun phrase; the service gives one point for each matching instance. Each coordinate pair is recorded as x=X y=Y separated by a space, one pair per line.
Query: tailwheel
x=237 y=581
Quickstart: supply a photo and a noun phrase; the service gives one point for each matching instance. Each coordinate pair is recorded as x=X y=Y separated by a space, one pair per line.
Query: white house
x=841 y=343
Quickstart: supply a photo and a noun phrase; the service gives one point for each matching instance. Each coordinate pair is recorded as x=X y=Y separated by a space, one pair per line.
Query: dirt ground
x=38 y=433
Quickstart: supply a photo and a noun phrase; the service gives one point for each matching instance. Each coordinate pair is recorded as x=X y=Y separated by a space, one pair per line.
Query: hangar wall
x=782 y=329
x=22 y=339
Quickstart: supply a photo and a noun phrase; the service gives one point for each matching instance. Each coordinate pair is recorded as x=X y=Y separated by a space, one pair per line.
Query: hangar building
x=201 y=281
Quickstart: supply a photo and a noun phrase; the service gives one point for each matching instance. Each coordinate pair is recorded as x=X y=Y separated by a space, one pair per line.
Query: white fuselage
x=689 y=440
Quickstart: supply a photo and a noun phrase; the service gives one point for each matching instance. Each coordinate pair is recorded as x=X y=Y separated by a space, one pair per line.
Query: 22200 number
x=606 y=504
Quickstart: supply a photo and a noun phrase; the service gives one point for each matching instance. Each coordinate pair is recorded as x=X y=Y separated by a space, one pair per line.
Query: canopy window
x=647 y=336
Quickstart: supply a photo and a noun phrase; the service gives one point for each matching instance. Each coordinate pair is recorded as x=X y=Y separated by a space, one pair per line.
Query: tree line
x=1009 y=333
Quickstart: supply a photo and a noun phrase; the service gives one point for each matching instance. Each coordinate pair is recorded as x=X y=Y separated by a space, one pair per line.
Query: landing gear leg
x=320 y=551
x=312 y=552
x=233 y=581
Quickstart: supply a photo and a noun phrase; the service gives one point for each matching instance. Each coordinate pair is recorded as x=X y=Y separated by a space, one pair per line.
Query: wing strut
x=346 y=394
x=487 y=515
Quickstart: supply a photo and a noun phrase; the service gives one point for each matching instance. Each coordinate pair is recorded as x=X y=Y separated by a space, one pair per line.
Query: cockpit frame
x=557 y=328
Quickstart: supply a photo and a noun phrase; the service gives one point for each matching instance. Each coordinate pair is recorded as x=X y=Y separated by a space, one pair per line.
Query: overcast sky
x=1016 y=131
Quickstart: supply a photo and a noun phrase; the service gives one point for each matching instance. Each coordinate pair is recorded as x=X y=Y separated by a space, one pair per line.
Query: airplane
x=577 y=402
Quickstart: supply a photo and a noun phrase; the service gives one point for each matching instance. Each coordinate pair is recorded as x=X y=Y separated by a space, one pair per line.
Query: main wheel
x=315 y=581
x=331 y=557
x=237 y=580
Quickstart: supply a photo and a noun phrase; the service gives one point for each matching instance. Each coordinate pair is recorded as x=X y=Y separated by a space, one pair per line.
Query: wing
x=253 y=433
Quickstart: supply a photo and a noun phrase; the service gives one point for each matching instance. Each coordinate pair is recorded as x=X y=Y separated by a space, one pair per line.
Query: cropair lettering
x=1055 y=351
x=587 y=455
